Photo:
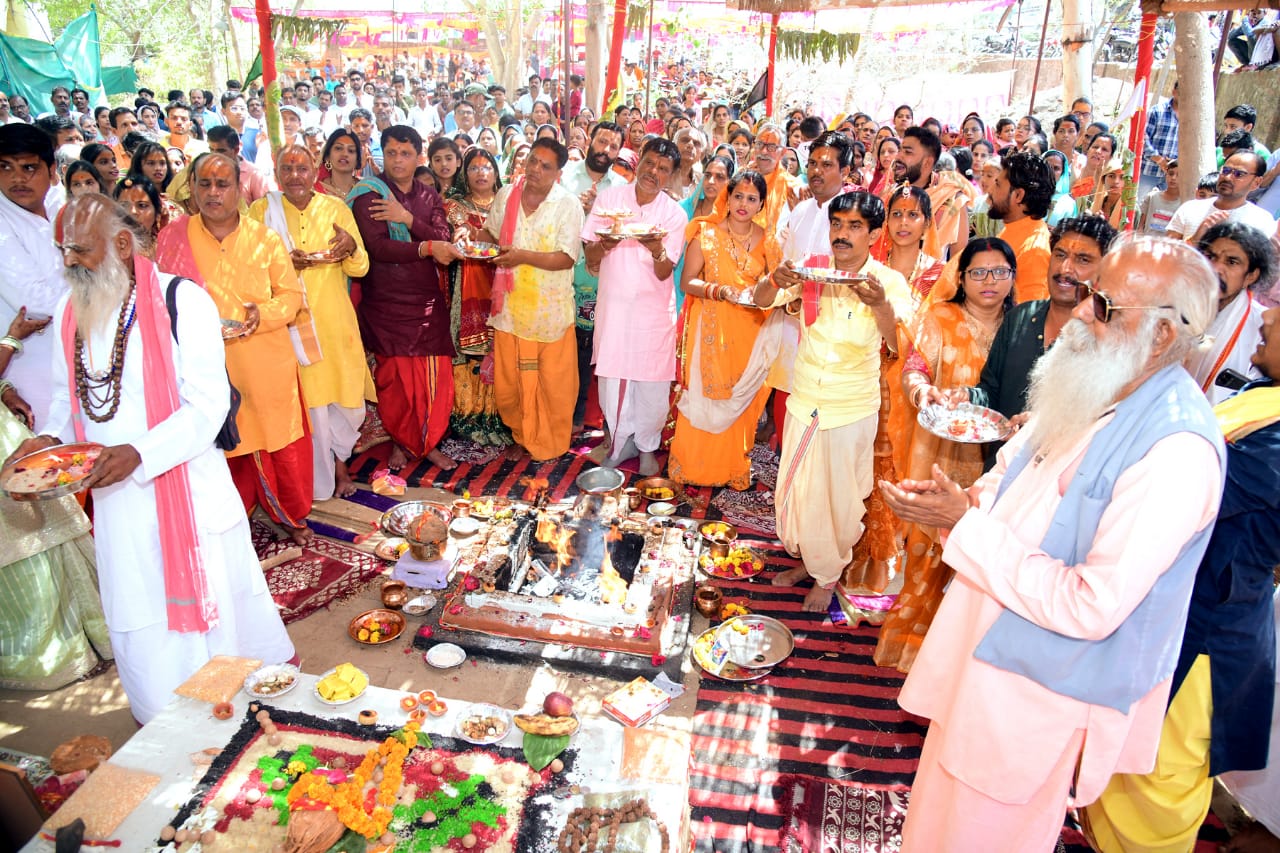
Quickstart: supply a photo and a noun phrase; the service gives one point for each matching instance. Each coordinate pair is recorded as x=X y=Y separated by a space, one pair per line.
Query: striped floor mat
x=828 y=712
x=480 y=472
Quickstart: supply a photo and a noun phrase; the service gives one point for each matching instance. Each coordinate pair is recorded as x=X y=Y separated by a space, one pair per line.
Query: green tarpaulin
x=32 y=68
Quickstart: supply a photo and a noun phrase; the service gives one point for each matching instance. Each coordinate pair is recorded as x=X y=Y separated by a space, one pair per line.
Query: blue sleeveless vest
x=1120 y=669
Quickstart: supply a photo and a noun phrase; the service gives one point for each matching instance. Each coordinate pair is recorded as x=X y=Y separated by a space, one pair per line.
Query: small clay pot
x=394 y=595
x=707 y=599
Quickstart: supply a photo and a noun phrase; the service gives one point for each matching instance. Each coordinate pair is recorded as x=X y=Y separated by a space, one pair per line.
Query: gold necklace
x=738 y=261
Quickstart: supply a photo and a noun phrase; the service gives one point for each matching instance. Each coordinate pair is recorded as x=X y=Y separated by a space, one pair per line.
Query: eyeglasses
x=769 y=147
x=997 y=273
x=1103 y=307
x=479 y=168
x=1232 y=172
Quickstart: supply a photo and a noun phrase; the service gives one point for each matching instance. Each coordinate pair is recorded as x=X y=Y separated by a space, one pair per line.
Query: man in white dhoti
x=825 y=470
x=31 y=271
x=1242 y=257
x=635 y=337
x=180 y=580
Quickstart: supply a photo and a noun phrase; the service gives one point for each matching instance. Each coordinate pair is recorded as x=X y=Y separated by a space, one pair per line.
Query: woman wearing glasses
x=949 y=344
x=475 y=411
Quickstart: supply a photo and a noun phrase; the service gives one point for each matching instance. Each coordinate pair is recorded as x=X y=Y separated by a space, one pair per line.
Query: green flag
x=255 y=70
x=81 y=54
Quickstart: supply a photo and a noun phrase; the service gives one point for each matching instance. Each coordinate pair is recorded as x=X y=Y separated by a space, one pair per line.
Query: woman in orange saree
x=950 y=342
x=867 y=588
x=722 y=264
x=475 y=410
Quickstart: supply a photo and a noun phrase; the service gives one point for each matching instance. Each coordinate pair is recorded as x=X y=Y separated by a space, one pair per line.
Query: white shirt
x=807 y=232
x=30 y=275
x=1188 y=217
x=1243 y=313
x=425 y=120
x=126 y=527
x=524 y=104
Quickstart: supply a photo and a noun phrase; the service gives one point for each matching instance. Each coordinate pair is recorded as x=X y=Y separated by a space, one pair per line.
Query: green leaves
x=541 y=750
x=810 y=46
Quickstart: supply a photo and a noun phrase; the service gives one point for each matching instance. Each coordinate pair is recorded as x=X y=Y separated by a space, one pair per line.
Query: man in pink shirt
x=1049 y=664
x=635 y=336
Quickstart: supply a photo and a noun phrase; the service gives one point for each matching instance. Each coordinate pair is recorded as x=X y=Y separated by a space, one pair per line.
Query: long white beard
x=1079 y=379
x=98 y=294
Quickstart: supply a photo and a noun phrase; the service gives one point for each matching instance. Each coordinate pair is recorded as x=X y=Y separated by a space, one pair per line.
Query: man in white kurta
x=30 y=268
x=151 y=659
x=635 y=335
x=1241 y=256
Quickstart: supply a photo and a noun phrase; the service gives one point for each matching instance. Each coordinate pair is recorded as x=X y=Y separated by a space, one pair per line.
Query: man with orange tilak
x=245 y=268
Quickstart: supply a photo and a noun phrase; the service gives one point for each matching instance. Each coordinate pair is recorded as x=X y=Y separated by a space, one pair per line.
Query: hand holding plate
x=114 y=464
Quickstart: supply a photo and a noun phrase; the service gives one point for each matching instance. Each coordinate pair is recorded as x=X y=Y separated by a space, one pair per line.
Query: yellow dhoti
x=1161 y=811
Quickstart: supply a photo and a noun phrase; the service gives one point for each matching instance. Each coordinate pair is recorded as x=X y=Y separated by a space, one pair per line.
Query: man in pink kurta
x=635 y=334
x=1008 y=752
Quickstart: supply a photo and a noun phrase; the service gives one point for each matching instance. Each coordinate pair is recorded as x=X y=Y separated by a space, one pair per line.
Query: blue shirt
x=1162 y=139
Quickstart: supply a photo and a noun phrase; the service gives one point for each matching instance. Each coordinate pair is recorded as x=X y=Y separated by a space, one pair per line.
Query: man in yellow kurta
x=312 y=224
x=245 y=268
x=826 y=467
x=537 y=224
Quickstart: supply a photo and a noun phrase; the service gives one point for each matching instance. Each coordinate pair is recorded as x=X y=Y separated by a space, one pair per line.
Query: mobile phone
x=1232 y=379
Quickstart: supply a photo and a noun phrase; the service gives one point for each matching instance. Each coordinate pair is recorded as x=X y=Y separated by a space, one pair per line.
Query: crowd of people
x=221 y=313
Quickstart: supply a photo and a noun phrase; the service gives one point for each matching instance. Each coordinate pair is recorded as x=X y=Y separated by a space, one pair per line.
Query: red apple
x=557 y=705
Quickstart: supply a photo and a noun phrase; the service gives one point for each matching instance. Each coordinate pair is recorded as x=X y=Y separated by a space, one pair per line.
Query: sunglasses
x=1103 y=307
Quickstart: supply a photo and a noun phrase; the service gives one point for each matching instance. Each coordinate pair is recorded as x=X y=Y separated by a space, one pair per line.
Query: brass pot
x=394 y=594
x=426 y=552
x=707 y=599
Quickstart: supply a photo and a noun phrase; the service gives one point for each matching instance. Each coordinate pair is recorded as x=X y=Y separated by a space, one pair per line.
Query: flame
x=613 y=589
x=551 y=532
x=533 y=486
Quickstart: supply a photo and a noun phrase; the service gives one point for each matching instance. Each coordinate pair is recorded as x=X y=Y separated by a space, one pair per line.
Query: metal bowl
x=396 y=521
x=601 y=481
x=766 y=643
x=393 y=620
x=649 y=489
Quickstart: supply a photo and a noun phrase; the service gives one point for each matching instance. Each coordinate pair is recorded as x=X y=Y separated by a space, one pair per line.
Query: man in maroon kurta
x=404 y=310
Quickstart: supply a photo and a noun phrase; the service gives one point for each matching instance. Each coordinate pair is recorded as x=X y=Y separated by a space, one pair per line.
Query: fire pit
x=587 y=577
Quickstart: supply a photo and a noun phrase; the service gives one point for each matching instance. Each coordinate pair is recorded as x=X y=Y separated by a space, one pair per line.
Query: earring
x=328 y=165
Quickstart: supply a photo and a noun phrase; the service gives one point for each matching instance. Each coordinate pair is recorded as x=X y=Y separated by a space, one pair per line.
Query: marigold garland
x=348 y=798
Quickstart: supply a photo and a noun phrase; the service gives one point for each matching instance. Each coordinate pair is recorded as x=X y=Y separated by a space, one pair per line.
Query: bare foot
x=438 y=459
x=301 y=536
x=648 y=464
x=618 y=455
x=343 y=485
x=790 y=577
x=817 y=599
x=398 y=458
x=515 y=453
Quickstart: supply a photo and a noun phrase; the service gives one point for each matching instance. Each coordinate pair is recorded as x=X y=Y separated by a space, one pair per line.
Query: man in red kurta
x=404 y=310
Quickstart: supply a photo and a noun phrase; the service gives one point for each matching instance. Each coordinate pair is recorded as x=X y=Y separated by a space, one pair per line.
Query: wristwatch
x=661 y=256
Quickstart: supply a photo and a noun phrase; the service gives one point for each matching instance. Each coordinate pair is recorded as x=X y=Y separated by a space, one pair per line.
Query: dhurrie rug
x=826 y=816
x=326 y=572
x=827 y=713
